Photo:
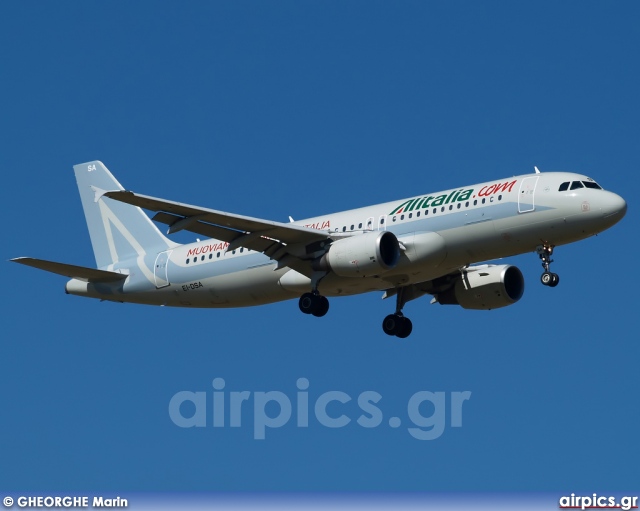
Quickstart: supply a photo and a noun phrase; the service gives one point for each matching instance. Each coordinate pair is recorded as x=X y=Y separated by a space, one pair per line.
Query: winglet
x=536 y=169
x=99 y=192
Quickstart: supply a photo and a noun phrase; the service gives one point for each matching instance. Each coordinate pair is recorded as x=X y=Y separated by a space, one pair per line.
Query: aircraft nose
x=613 y=207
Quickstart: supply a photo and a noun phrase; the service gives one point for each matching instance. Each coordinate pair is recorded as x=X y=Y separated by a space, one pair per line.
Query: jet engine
x=363 y=255
x=485 y=288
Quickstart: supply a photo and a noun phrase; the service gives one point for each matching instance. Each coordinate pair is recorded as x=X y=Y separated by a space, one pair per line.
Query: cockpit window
x=579 y=184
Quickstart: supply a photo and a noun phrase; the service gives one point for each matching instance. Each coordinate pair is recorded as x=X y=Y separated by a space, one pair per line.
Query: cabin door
x=526 y=195
x=161 y=269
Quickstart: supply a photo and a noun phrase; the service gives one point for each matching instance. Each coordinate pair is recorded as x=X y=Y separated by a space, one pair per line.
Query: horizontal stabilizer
x=71 y=271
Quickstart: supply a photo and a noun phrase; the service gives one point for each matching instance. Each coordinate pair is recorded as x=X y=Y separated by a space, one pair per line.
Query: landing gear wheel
x=395 y=324
x=405 y=328
x=307 y=303
x=322 y=307
x=550 y=279
x=314 y=304
x=390 y=324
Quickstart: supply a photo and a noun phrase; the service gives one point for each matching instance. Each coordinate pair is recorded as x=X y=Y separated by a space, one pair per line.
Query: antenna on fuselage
x=536 y=169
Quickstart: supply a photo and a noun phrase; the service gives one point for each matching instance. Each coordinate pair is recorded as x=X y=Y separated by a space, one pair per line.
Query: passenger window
x=441 y=209
x=475 y=202
x=417 y=214
x=352 y=227
x=360 y=225
x=218 y=254
x=410 y=215
x=459 y=205
x=344 y=228
x=401 y=217
x=435 y=210
x=187 y=261
x=210 y=256
x=466 y=204
x=393 y=219
x=576 y=184
x=564 y=186
x=381 y=221
x=484 y=200
x=499 y=197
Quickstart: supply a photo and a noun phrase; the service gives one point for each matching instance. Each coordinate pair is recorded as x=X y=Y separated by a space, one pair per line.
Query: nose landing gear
x=547 y=278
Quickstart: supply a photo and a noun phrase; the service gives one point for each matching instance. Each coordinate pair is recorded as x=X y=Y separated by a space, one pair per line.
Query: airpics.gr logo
x=454 y=196
x=426 y=411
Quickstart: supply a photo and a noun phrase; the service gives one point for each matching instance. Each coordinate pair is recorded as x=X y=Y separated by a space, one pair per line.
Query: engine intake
x=363 y=255
x=485 y=288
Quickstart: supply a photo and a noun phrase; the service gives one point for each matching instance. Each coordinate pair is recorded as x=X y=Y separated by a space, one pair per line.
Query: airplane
x=424 y=245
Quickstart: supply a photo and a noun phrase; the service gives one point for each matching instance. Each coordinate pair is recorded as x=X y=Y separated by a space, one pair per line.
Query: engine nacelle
x=363 y=255
x=486 y=288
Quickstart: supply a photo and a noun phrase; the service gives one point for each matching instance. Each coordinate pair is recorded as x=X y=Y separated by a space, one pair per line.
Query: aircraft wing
x=71 y=271
x=275 y=239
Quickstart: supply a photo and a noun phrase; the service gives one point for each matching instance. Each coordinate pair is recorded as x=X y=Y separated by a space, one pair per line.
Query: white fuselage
x=439 y=233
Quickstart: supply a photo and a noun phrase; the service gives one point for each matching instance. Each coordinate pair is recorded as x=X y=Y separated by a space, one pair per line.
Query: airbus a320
x=424 y=245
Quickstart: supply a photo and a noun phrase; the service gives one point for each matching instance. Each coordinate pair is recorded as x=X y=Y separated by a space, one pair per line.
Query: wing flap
x=253 y=241
x=205 y=229
x=71 y=271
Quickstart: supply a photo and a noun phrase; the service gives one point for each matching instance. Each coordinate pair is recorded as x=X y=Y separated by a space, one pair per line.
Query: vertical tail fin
x=118 y=231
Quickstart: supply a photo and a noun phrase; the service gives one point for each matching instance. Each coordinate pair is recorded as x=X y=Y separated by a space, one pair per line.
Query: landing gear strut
x=547 y=278
x=314 y=303
x=397 y=324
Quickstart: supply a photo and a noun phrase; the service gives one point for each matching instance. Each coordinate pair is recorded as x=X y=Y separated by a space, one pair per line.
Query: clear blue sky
x=273 y=109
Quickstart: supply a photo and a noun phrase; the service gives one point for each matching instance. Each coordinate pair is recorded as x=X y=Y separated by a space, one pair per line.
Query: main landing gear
x=394 y=324
x=314 y=303
x=397 y=324
x=547 y=278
